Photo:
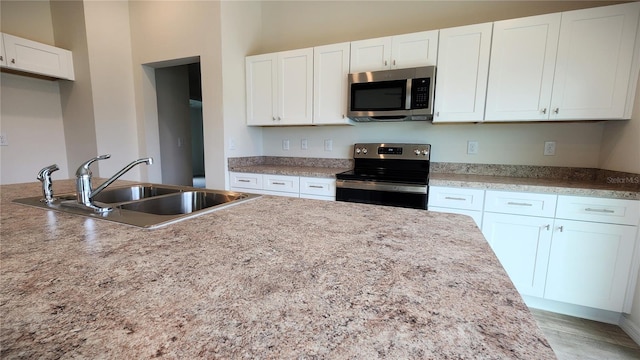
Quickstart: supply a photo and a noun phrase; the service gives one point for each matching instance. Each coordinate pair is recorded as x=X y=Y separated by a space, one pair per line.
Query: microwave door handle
x=407 y=100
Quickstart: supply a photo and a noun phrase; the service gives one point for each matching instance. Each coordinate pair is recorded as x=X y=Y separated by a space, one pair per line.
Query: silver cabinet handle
x=394 y=63
x=556 y=110
x=561 y=228
x=273 y=118
x=13 y=61
x=454 y=198
x=437 y=113
x=316 y=186
x=607 y=211
x=243 y=180
x=278 y=183
x=1 y=58
x=519 y=204
x=547 y=227
x=544 y=111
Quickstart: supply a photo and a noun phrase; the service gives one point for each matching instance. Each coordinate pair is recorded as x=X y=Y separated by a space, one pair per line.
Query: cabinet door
x=281 y=183
x=261 y=83
x=3 y=57
x=589 y=264
x=370 y=55
x=523 y=57
x=295 y=87
x=317 y=188
x=413 y=50
x=330 y=70
x=37 y=58
x=521 y=243
x=463 y=66
x=595 y=88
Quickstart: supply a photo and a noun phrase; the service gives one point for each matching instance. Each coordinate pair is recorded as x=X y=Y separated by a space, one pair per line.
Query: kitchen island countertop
x=274 y=277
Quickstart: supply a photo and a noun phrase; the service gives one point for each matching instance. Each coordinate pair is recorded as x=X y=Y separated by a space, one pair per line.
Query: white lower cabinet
x=522 y=244
x=590 y=264
x=457 y=201
x=580 y=252
x=284 y=185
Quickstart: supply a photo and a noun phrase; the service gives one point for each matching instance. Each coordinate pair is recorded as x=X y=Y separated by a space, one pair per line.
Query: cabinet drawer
x=519 y=203
x=246 y=180
x=318 y=186
x=281 y=183
x=456 y=198
x=613 y=211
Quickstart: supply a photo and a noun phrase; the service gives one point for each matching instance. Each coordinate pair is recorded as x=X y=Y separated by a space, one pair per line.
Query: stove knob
x=364 y=150
x=357 y=150
x=425 y=152
x=416 y=151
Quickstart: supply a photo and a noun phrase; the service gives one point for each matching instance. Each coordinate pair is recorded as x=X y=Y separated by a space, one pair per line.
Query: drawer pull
x=454 y=198
x=519 y=203
x=547 y=227
x=561 y=228
x=278 y=183
x=316 y=186
x=243 y=180
x=600 y=210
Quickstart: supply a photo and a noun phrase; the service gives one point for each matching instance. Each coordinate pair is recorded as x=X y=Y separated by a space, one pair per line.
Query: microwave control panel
x=420 y=93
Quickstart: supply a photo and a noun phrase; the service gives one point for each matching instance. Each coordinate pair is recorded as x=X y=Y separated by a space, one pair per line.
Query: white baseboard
x=632 y=329
x=609 y=317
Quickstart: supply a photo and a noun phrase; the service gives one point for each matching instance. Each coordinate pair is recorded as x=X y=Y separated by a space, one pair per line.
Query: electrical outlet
x=549 y=147
x=4 y=141
x=328 y=145
x=285 y=144
x=304 y=144
x=472 y=147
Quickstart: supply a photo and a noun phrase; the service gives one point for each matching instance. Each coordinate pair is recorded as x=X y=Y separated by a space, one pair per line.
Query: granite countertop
x=579 y=187
x=274 y=277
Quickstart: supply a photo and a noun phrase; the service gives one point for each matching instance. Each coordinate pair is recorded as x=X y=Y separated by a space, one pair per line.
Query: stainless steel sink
x=147 y=205
x=185 y=202
x=136 y=192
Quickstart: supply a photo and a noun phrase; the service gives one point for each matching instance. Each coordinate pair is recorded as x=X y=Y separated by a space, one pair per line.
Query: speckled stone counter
x=312 y=167
x=272 y=278
x=624 y=189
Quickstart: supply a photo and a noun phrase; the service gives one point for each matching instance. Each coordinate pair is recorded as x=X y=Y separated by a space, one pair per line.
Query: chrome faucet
x=84 y=190
x=44 y=176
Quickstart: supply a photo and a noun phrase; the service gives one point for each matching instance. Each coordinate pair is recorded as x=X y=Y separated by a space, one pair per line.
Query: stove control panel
x=392 y=151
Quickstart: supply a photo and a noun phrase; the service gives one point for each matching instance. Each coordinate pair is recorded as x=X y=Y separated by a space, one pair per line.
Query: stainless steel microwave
x=392 y=95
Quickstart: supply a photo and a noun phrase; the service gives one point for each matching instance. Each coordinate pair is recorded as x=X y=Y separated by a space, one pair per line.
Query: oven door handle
x=381 y=186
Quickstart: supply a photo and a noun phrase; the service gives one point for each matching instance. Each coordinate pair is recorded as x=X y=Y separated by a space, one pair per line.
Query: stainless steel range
x=387 y=174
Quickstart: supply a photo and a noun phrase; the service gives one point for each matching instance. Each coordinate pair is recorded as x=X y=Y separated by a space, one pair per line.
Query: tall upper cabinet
x=463 y=65
x=280 y=88
x=32 y=57
x=575 y=65
x=330 y=70
x=395 y=52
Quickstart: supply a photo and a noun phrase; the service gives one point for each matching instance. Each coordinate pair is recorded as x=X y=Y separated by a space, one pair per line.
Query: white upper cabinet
x=462 y=71
x=280 y=88
x=3 y=57
x=575 y=65
x=395 y=52
x=523 y=56
x=593 y=67
x=330 y=70
x=33 y=57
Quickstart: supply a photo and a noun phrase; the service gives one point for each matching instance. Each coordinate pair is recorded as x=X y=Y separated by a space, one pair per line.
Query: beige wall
x=165 y=31
x=30 y=109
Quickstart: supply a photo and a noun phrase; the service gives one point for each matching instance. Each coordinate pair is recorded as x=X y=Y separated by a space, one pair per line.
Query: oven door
x=390 y=194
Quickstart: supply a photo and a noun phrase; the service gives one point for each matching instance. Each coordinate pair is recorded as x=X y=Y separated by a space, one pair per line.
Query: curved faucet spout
x=115 y=177
x=84 y=189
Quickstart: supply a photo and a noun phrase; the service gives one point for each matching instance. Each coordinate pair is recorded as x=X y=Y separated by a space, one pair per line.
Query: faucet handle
x=84 y=168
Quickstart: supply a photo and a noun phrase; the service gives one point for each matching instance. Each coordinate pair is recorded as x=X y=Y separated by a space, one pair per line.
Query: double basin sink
x=146 y=205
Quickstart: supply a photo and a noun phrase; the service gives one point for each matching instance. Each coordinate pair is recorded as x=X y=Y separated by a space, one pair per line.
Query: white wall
x=111 y=71
x=31 y=118
x=162 y=31
x=30 y=109
x=241 y=26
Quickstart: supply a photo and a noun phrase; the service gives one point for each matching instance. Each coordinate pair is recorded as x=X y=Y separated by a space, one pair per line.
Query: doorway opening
x=180 y=129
